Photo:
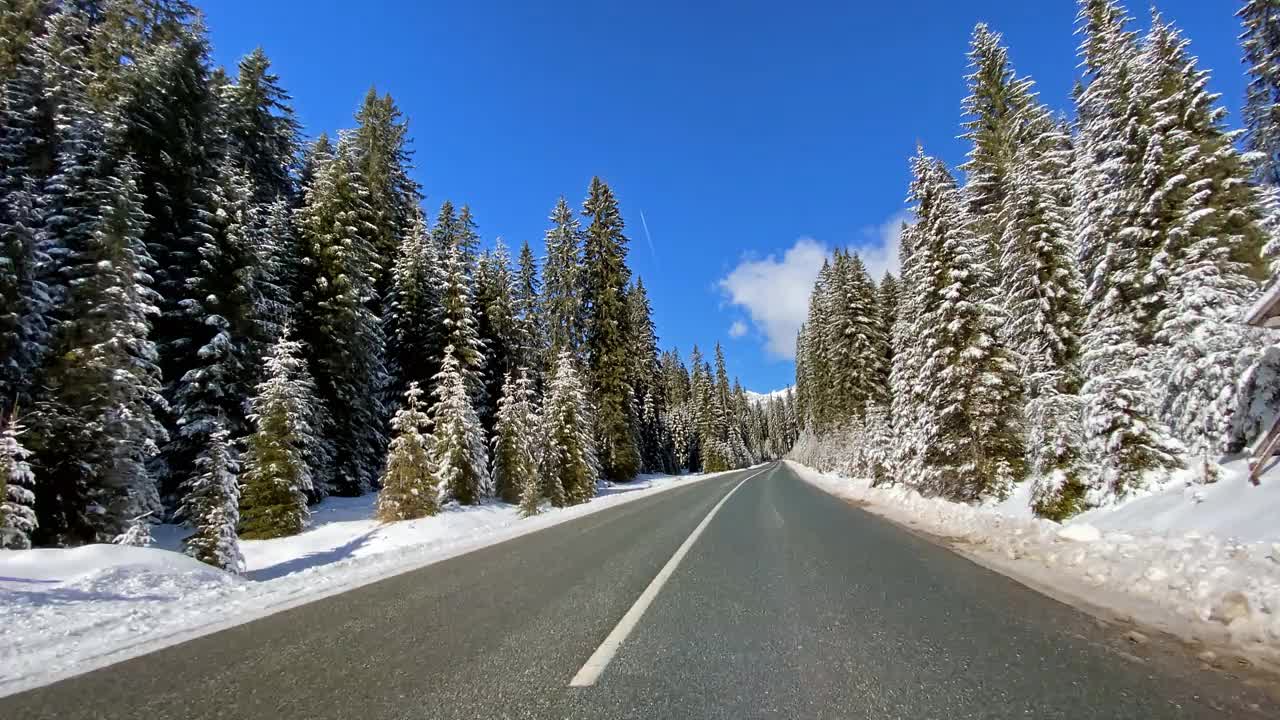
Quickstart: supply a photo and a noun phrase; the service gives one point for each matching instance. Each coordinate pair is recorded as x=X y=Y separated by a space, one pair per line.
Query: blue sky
x=737 y=128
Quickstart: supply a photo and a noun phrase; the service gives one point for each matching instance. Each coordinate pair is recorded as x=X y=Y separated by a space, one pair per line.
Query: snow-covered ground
x=68 y=611
x=1201 y=561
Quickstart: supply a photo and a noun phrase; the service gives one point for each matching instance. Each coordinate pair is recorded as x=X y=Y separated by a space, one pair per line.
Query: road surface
x=788 y=604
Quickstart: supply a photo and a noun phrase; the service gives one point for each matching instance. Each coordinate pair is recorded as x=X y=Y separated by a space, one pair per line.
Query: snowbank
x=1200 y=560
x=64 y=612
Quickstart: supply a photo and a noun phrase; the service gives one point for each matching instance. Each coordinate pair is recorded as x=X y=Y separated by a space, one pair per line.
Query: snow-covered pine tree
x=21 y=23
x=887 y=294
x=445 y=232
x=817 y=395
x=462 y=462
x=531 y=326
x=314 y=156
x=1123 y=438
x=137 y=534
x=656 y=454
x=230 y=321
x=561 y=303
x=604 y=283
x=17 y=488
x=804 y=379
x=468 y=240
x=380 y=149
x=409 y=487
x=1019 y=192
x=458 y=322
x=25 y=297
x=1261 y=42
x=569 y=462
x=211 y=504
x=1208 y=217
x=497 y=328
x=515 y=444
x=975 y=447
x=531 y=496
x=171 y=118
x=413 y=312
x=1001 y=118
x=93 y=427
x=853 y=342
x=701 y=408
x=285 y=446
x=337 y=324
x=1039 y=279
x=261 y=130
x=909 y=413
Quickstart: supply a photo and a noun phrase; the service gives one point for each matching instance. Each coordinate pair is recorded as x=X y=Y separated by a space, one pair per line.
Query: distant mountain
x=758 y=398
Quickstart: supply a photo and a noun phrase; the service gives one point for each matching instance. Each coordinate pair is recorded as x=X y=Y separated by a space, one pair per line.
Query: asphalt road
x=791 y=604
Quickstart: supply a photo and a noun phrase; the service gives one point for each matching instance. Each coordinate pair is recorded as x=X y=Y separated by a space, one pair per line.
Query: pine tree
x=314 y=156
x=17 y=489
x=561 y=303
x=514 y=455
x=974 y=449
x=284 y=448
x=656 y=454
x=497 y=328
x=25 y=297
x=462 y=463
x=170 y=115
x=1209 y=220
x=380 y=146
x=337 y=324
x=409 y=488
x=446 y=232
x=569 y=459
x=210 y=504
x=531 y=326
x=137 y=534
x=458 y=323
x=605 y=278
x=817 y=399
x=94 y=426
x=1000 y=106
x=229 y=327
x=908 y=411
x=21 y=23
x=1261 y=42
x=262 y=131
x=852 y=342
x=887 y=297
x=413 y=312
x=1123 y=438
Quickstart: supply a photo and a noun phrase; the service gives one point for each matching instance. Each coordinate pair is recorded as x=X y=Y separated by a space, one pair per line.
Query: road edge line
x=595 y=665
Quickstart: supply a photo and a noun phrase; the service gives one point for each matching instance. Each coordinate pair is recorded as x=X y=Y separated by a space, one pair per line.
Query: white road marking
x=600 y=659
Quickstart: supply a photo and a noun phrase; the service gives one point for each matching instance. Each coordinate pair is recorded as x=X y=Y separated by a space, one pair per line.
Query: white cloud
x=775 y=292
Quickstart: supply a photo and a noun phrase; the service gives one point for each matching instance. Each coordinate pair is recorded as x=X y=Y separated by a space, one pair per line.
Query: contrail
x=648 y=237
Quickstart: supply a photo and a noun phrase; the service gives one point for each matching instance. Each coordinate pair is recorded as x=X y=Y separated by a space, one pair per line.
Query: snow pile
x=68 y=611
x=1197 y=554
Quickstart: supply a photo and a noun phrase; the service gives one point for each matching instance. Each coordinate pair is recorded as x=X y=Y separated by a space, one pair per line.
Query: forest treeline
x=206 y=317
x=1073 y=313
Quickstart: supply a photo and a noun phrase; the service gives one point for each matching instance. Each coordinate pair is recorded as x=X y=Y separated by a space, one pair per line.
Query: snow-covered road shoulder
x=1141 y=560
x=64 y=612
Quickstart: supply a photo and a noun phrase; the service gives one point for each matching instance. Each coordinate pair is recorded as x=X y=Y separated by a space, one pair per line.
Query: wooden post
x=1270 y=444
